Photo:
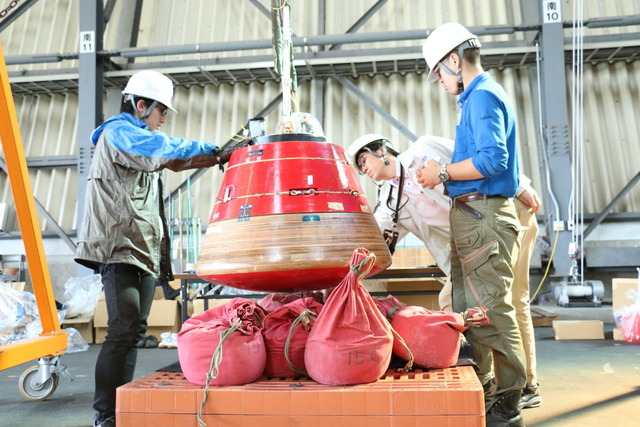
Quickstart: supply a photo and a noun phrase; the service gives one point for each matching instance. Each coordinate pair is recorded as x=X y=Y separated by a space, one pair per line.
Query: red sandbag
x=432 y=336
x=277 y=327
x=351 y=341
x=274 y=301
x=242 y=356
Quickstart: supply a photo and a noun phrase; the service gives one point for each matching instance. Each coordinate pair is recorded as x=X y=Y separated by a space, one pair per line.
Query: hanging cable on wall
x=547 y=174
x=576 y=205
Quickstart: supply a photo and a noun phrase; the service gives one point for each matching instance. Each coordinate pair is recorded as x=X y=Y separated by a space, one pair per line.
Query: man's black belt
x=472 y=197
x=460 y=202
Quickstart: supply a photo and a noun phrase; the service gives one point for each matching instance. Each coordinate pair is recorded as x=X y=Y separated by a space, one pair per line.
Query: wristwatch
x=444 y=175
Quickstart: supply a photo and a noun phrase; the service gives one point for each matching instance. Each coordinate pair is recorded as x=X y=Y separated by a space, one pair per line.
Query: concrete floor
x=583 y=383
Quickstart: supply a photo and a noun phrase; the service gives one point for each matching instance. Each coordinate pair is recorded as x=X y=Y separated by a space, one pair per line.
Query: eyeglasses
x=163 y=109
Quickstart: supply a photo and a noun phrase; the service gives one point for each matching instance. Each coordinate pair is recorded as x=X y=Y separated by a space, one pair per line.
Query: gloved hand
x=224 y=153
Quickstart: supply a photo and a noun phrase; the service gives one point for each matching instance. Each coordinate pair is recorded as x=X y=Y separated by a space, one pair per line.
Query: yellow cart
x=40 y=381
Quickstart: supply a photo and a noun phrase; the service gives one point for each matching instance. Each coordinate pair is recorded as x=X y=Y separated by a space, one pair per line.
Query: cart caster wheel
x=30 y=389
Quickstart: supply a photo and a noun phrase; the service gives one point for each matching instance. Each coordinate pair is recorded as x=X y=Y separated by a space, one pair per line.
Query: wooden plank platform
x=439 y=397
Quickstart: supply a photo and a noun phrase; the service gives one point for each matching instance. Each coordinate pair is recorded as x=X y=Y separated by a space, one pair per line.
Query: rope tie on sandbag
x=216 y=360
x=258 y=315
x=357 y=268
x=409 y=364
x=393 y=309
x=305 y=317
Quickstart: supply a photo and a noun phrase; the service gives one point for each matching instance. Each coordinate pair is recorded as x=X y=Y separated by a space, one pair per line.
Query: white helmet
x=362 y=142
x=443 y=40
x=152 y=85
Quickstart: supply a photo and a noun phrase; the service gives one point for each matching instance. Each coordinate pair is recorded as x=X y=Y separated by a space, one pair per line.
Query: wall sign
x=551 y=11
x=87 y=41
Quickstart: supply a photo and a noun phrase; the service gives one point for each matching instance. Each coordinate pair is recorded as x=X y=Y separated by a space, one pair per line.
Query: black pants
x=128 y=293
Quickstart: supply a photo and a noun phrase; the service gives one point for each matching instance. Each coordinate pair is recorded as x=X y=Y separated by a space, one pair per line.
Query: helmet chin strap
x=149 y=110
x=448 y=70
x=131 y=98
x=384 y=152
x=472 y=43
x=382 y=156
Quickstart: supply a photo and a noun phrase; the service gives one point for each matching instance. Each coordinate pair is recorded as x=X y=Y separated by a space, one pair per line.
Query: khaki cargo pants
x=483 y=253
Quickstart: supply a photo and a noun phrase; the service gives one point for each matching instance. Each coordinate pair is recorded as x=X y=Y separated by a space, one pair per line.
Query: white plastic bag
x=81 y=295
x=18 y=315
x=75 y=342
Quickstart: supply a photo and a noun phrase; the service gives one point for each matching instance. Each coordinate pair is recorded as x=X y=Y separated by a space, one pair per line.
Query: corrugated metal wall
x=48 y=126
x=48 y=122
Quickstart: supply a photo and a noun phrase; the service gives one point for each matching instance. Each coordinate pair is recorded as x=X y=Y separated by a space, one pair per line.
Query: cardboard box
x=18 y=286
x=411 y=291
x=578 y=329
x=617 y=334
x=412 y=257
x=430 y=302
x=100 y=318
x=83 y=324
x=158 y=293
x=163 y=317
x=620 y=288
x=412 y=285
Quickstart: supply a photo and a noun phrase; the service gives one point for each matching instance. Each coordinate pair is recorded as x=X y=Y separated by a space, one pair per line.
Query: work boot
x=504 y=412
x=490 y=388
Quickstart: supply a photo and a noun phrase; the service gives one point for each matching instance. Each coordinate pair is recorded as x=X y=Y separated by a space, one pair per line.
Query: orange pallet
x=439 y=397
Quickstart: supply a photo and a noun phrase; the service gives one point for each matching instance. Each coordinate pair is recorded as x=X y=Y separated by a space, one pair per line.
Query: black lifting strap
x=396 y=211
x=391 y=236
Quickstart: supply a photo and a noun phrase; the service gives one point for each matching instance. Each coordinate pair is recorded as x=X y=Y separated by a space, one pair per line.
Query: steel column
x=319 y=83
x=90 y=85
x=555 y=131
